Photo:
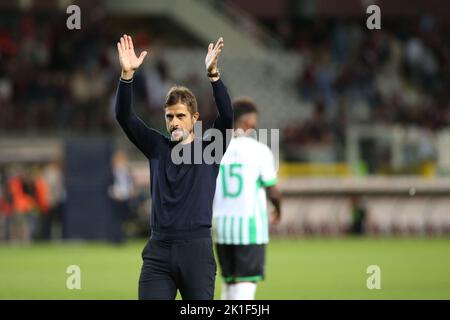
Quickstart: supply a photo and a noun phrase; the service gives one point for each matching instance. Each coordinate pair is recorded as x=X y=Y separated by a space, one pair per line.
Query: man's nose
x=175 y=122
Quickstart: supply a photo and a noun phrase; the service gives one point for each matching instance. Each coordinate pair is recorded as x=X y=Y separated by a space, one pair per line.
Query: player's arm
x=143 y=137
x=268 y=178
x=274 y=195
x=224 y=120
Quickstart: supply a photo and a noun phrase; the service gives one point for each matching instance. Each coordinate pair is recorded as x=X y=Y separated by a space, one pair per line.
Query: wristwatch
x=213 y=75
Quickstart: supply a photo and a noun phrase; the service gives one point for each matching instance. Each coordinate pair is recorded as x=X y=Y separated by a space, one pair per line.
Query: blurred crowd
x=54 y=79
x=50 y=78
x=31 y=201
x=397 y=75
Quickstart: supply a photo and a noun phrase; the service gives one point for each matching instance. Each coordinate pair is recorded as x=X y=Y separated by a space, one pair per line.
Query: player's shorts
x=186 y=265
x=242 y=263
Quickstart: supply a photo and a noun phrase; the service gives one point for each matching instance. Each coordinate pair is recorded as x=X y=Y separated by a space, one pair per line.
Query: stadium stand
x=348 y=101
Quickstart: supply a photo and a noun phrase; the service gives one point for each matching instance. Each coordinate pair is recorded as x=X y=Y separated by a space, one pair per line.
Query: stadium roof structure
x=205 y=21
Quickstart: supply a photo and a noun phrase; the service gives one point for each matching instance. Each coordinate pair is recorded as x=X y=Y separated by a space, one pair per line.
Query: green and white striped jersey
x=240 y=206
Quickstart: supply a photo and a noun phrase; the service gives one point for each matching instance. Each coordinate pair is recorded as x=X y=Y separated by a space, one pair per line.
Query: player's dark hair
x=243 y=106
x=179 y=94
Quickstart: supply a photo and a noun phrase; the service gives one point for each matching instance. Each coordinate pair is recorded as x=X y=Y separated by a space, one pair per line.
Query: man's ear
x=195 y=116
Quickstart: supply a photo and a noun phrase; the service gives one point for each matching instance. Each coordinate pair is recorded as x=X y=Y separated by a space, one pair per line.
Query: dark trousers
x=186 y=265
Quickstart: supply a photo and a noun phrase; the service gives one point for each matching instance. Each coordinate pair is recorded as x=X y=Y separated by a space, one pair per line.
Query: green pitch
x=416 y=268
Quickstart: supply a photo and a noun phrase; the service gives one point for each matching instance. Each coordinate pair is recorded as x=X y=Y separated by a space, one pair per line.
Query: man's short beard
x=182 y=137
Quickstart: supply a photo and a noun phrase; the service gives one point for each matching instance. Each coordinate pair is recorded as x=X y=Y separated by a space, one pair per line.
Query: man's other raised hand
x=127 y=57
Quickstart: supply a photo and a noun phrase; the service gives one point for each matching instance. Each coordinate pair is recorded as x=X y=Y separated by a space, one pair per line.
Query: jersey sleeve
x=268 y=172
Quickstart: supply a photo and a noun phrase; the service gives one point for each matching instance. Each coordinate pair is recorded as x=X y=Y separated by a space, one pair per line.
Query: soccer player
x=179 y=254
x=240 y=221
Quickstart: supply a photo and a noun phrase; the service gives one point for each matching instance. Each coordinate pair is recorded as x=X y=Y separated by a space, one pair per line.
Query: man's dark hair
x=179 y=94
x=243 y=106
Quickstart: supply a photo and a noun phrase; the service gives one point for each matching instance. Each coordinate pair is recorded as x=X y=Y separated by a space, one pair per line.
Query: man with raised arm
x=179 y=254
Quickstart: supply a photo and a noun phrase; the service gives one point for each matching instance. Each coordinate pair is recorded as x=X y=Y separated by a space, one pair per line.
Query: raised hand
x=213 y=55
x=127 y=57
